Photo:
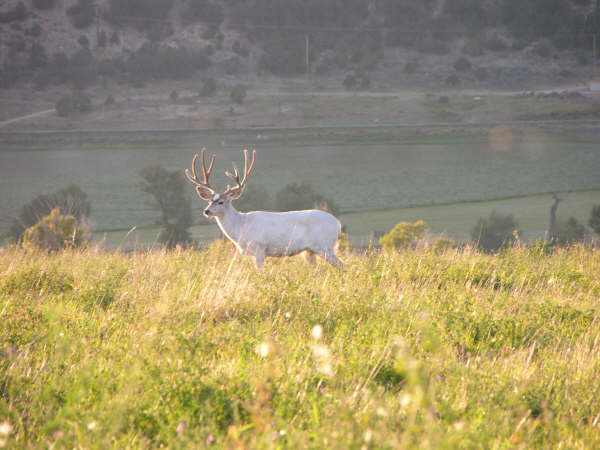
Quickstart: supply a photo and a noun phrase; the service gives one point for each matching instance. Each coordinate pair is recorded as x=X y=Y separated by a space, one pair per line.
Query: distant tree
x=403 y=235
x=298 y=196
x=462 y=64
x=70 y=200
x=55 y=232
x=350 y=81
x=595 y=218
x=43 y=4
x=102 y=39
x=167 y=189
x=238 y=94
x=209 y=87
x=83 y=41
x=37 y=56
x=77 y=102
x=255 y=198
x=568 y=232
x=82 y=13
x=114 y=38
x=174 y=96
x=497 y=232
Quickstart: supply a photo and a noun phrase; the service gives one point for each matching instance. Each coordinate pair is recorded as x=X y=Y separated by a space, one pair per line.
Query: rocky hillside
x=452 y=42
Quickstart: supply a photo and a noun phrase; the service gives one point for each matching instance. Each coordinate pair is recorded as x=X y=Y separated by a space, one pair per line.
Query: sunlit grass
x=400 y=350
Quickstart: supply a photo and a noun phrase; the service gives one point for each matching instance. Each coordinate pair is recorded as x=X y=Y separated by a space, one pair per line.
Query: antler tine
x=206 y=172
x=236 y=174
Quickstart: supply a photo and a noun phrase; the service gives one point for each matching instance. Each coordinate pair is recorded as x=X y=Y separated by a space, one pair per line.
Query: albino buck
x=262 y=233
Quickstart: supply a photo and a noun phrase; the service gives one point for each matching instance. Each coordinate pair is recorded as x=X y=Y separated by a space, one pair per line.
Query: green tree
x=168 y=191
x=70 y=200
x=403 y=235
x=209 y=87
x=568 y=232
x=55 y=232
x=497 y=232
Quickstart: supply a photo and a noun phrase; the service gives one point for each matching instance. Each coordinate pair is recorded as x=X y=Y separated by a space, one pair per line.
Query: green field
x=362 y=170
x=190 y=349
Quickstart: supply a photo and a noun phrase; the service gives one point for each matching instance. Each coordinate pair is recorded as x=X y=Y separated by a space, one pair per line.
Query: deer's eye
x=221 y=202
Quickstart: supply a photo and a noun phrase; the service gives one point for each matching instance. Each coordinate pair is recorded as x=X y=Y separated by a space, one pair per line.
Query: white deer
x=262 y=233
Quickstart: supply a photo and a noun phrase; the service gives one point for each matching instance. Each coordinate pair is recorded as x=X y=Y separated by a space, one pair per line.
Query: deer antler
x=236 y=191
x=204 y=189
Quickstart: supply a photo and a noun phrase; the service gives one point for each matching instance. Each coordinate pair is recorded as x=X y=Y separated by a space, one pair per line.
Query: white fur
x=262 y=233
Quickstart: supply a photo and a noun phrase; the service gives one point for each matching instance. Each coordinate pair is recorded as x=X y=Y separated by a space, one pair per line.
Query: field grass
x=400 y=350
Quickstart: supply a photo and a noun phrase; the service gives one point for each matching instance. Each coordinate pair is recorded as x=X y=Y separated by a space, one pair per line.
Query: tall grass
x=400 y=350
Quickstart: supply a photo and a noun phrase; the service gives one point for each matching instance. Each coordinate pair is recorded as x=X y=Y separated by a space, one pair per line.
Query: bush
x=77 y=102
x=83 y=41
x=239 y=50
x=568 y=232
x=299 y=196
x=442 y=245
x=350 y=81
x=403 y=235
x=55 y=232
x=82 y=13
x=209 y=87
x=70 y=201
x=37 y=56
x=595 y=218
x=43 y=4
x=238 y=94
x=462 y=64
x=495 y=233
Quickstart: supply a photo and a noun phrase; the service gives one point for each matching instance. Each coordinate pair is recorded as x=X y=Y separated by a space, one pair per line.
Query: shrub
x=595 y=218
x=462 y=64
x=350 y=81
x=238 y=94
x=174 y=96
x=209 y=87
x=83 y=41
x=37 y=56
x=442 y=245
x=43 y=4
x=77 y=102
x=114 y=39
x=403 y=235
x=70 y=200
x=82 y=13
x=497 y=232
x=55 y=232
x=239 y=50
x=168 y=191
x=568 y=232
x=298 y=196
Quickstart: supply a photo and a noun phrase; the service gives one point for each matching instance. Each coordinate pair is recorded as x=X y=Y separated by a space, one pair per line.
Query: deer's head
x=218 y=202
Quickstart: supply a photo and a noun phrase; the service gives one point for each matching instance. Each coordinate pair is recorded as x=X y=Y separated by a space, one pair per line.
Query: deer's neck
x=231 y=223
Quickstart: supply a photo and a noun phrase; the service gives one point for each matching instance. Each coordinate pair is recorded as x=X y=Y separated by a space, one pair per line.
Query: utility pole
x=307 y=54
x=594 y=53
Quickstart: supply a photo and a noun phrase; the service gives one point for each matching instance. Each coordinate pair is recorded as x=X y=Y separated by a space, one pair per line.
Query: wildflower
x=317 y=332
x=92 y=425
x=368 y=435
x=265 y=349
x=5 y=428
x=180 y=429
x=210 y=439
x=405 y=400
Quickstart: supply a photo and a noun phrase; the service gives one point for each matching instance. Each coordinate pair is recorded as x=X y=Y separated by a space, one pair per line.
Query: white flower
x=317 y=332
x=5 y=428
x=92 y=425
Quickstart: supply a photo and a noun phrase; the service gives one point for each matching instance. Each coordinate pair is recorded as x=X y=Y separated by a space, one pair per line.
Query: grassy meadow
x=399 y=350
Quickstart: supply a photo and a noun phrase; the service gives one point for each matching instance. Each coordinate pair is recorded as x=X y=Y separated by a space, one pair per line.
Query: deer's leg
x=259 y=258
x=329 y=256
x=308 y=256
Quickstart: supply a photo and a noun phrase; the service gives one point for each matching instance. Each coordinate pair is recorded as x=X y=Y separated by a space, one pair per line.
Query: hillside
x=376 y=44
x=401 y=350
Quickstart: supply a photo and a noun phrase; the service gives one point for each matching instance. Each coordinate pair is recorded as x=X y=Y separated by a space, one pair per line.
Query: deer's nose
x=207 y=212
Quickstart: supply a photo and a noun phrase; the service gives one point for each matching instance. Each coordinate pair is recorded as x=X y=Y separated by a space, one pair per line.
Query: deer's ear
x=204 y=193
